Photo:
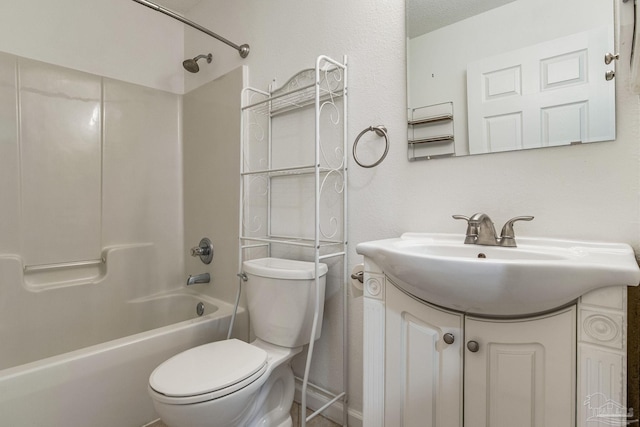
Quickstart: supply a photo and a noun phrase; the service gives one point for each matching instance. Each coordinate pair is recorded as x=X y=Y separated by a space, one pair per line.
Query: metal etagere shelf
x=308 y=171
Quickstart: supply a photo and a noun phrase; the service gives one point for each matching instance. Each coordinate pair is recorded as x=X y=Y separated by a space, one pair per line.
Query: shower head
x=191 y=65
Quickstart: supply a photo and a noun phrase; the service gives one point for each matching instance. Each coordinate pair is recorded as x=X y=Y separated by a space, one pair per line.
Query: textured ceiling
x=424 y=16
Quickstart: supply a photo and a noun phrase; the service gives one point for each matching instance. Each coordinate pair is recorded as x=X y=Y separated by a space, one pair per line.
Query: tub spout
x=198 y=278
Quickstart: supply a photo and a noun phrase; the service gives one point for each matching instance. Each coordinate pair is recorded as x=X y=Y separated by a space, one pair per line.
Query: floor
x=318 y=421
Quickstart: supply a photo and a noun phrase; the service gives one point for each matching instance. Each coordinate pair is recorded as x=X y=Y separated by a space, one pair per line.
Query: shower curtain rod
x=243 y=50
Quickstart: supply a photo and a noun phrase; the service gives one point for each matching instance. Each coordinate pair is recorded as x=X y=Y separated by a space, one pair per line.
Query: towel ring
x=380 y=131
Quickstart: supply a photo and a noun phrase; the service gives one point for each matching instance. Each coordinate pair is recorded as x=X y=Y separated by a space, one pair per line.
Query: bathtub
x=105 y=385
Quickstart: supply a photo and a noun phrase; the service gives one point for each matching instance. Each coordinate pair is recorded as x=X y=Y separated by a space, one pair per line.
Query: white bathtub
x=105 y=385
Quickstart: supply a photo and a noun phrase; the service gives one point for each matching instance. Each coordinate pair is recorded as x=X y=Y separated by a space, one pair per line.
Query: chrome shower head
x=191 y=65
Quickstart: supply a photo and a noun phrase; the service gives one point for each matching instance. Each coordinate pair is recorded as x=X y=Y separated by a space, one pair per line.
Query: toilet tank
x=281 y=297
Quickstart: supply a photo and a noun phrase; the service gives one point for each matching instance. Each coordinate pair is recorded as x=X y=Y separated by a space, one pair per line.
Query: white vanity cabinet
x=423 y=371
x=513 y=372
x=454 y=335
x=565 y=368
x=520 y=372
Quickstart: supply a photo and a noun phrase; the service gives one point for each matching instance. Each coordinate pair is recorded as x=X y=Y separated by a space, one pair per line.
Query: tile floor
x=318 y=421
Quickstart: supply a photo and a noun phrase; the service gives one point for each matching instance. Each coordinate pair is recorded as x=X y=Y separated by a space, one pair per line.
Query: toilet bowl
x=233 y=383
x=225 y=383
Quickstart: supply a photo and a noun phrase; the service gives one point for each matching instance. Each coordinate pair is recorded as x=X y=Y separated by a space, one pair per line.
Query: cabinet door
x=523 y=372
x=423 y=372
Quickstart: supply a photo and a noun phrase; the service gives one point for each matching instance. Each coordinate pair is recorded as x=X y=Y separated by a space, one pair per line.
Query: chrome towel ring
x=380 y=131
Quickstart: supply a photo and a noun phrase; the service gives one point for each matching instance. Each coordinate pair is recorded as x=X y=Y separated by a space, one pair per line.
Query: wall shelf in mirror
x=431 y=131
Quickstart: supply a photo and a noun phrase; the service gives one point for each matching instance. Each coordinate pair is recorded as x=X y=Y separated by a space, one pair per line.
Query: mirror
x=501 y=75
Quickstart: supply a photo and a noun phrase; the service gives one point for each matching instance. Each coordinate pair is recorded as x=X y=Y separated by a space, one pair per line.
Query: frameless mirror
x=501 y=75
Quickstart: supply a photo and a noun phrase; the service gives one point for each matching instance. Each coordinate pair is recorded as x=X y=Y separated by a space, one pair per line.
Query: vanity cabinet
x=423 y=371
x=520 y=372
x=507 y=372
x=546 y=345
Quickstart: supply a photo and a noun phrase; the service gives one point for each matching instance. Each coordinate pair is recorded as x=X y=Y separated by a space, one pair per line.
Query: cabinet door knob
x=473 y=346
x=449 y=338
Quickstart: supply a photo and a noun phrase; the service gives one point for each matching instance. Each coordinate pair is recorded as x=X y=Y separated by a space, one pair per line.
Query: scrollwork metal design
x=338 y=187
x=253 y=224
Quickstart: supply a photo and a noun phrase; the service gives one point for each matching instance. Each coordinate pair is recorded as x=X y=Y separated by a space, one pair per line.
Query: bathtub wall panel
x=142 y=190
x=211 y=183
x=9 y=158
x=60 y=143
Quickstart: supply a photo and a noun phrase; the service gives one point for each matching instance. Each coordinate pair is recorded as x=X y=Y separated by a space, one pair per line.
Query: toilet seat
x=208 y=372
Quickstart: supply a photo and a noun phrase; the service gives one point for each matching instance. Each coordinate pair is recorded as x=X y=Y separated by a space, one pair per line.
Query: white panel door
x=523 y=372
x=423 y=372
x=552 y=93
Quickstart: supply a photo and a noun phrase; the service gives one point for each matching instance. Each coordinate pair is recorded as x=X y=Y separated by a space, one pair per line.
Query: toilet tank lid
x=278 y=268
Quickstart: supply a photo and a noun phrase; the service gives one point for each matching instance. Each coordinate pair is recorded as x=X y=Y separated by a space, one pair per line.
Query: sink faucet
x=485 y=231
x=481 y=231
x=198 y=278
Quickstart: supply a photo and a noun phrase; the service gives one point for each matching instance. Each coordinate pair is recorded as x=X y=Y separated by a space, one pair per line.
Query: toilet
x=233 y=383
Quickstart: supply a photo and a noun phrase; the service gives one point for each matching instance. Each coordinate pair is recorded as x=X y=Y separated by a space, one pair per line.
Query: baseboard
x=317 y=399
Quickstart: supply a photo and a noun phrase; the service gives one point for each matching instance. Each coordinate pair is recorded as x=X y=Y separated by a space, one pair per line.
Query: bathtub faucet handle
x=197 y=251
x=204 y=250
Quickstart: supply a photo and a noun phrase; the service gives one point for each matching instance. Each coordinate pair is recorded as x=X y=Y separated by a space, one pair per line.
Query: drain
x=481 y=255
x=200 y=309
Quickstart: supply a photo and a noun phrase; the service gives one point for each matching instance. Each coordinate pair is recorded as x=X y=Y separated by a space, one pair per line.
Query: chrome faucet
x=481 y=231
x=198 y=278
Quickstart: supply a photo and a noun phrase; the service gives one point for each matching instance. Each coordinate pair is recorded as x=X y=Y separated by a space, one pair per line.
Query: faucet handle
x=204 y=250
x=507 y=236
x=472 y=230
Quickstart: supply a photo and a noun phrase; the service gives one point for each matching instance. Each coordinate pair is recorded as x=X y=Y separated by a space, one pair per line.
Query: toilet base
x=275 y=400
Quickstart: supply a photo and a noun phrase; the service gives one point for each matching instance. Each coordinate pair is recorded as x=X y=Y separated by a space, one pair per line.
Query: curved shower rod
x=243 y=50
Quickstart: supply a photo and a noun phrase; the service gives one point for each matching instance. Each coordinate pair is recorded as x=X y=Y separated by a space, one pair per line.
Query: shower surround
x=90 y=201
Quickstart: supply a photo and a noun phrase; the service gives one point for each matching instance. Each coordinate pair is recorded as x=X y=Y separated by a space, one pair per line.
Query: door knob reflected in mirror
x=609 y=57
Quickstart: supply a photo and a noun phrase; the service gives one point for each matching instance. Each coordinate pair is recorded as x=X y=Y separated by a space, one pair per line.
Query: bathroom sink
x=538 y=275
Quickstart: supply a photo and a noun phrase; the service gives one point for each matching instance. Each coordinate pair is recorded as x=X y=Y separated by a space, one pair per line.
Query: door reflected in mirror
x=514 y=75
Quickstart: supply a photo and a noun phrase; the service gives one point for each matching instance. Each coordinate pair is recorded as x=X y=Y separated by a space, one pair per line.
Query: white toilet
x=232 y=383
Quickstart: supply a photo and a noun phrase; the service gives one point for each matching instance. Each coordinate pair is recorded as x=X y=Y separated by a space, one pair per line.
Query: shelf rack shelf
x=432 y=140
x=431 y=131
x=322 y=92
x=432 y=119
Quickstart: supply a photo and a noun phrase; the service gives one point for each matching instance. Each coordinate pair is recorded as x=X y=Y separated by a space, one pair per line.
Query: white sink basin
x=537 y=276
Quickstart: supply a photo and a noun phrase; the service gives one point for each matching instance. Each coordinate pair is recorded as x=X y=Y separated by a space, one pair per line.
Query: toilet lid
x=209 y=368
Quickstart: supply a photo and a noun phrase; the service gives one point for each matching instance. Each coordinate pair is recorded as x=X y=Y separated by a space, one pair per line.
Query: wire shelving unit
x=293 y=187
